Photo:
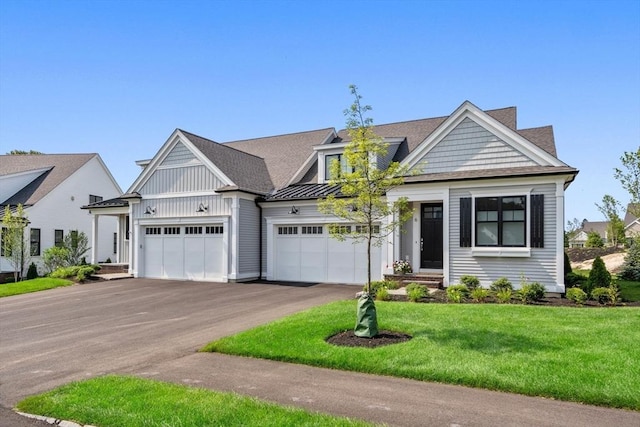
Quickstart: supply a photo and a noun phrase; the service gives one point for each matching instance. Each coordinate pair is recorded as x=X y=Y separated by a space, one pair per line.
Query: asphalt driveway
x=152 y=328
x=52 y=337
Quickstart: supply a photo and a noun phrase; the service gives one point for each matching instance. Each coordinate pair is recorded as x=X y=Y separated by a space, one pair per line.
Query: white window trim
x=504 y=252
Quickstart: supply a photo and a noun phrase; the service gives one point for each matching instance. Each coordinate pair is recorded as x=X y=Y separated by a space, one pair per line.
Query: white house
x=488 y=200
x=52 y=189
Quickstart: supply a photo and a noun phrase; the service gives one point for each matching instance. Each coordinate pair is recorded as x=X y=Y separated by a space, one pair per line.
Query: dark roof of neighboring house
x=247 y=171
x=60 y=167
x=283 y=155
x=629 y=217
x=118 y=202
x=599 y=227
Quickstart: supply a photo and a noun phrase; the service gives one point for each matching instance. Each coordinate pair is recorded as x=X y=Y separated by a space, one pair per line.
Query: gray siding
x=181 y=180
x=248 y=237
x=406 y=236
x=471 y=147
x=180 y=155
x=539 y=267
x=183 y=207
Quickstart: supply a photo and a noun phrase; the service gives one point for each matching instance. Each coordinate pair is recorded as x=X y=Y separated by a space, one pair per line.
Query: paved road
x=153 y=329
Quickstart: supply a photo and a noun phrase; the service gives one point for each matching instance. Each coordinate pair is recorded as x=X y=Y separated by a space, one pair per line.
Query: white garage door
x=193 y=252
x=306 y=253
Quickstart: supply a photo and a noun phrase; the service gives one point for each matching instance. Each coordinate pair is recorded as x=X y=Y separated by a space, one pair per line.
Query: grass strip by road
x=589 y=355
x=128 y=401
x=34 y=285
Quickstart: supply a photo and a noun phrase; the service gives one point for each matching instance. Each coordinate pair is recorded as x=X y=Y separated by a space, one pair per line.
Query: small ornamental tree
x=631 y=266
x=15 y=248
x=599 y=276
x=629 y=177
x=363 y=203
x=594 y=240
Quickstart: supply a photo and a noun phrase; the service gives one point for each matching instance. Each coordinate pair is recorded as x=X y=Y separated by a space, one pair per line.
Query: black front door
x=431 y=236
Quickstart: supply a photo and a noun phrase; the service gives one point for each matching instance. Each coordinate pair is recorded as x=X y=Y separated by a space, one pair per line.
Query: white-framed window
x=362 y=229
x=501 y=221
x=153 y=230
x=214 y=229
x=58 y=238
x=287 y=230
x=312 y=229
x=35 y=242
x=172 y=230
x=197 y=229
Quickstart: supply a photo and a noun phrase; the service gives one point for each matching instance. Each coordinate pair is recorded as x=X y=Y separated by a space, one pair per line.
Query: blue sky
x=117 y=77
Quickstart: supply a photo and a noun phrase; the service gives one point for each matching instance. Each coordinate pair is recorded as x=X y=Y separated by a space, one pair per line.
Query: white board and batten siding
x=300 y=249
x=176 y=240
x=540 y=266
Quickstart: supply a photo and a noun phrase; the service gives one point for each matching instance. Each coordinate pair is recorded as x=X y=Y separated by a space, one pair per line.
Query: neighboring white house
x=52 y=189
x=488 y=200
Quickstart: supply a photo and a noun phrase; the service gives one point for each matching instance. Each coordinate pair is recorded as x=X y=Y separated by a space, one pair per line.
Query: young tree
x=363 y=200
x=77 y=245
x=573 y=228
x=594 y=240
x=630 y=178
x=15 y=247
x=615 y=226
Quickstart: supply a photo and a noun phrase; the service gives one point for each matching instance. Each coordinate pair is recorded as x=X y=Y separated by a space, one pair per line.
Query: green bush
x=594 y=240
x=572 y=280
x=531 y=292
x=630 y=269
x=601 y=295
x=381 y=284
x=599 y=277
x=415 y=291
x=614 y=293
x=76 y=272
x=501 y=284
x=54 y=258
x=383 y=294
x=479 y=294
x=504 y=295
x=457 y=293
x=471 y=282
x=576 y=295
x=32 y=273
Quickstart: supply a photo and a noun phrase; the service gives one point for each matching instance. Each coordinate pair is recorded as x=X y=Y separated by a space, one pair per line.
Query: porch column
x=560 y=285
x=94 y=239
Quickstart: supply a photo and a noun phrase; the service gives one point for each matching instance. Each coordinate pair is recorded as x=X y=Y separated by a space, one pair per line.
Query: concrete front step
x=110 y=268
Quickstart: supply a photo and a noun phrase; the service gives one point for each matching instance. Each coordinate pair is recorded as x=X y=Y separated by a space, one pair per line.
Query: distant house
x=52 y=188
x=488 y=200
x=631 y=222
x=580 y=239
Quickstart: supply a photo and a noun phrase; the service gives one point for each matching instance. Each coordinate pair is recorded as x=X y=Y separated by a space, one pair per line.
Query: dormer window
x=329 y=159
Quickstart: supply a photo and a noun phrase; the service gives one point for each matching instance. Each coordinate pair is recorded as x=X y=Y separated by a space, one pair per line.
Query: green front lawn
x=34 y=285
x=589 y=355
x=629 y=291
x=127 y=401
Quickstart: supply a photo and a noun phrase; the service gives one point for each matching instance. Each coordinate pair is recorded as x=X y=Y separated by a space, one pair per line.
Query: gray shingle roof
x=283 y=155
x=247 y=171
x=60 y=166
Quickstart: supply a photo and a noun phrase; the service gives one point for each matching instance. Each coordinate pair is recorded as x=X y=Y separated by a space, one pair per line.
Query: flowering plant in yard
x=402 y=266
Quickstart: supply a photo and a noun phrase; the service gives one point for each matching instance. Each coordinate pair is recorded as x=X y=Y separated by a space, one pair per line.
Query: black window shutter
x=465 y=222
x=537 y=220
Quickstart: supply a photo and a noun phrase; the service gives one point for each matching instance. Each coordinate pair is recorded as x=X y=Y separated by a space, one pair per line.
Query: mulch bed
x=349 y=339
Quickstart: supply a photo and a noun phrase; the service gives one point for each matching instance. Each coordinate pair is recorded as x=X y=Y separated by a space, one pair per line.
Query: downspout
x=256 y=201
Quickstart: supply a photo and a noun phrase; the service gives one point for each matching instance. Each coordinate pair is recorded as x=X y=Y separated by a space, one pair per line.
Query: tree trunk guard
x=366 y=320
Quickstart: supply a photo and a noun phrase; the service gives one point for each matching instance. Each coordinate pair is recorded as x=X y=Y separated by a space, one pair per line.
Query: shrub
x=54 y=258
x=594 y=240
x=471 y=282
x=76 y=272
x=572 y=280
x=479 y=294
x=504 y=295
x=531 y=292
x=108 y=261
x=567 y=265
x=601 y=295
x=576 y=295
x=415 y=291
x=630 y=269
x=383 y=294
x=32 y=273
x=456 y=293
x=501 y=284
x=380 y=284
x=599 y=277
x=614 y=293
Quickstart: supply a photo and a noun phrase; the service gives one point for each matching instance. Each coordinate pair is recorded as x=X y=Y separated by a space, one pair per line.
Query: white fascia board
x=166 y=148
x=120 y=210
x=509 y=136
x=108 y=172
